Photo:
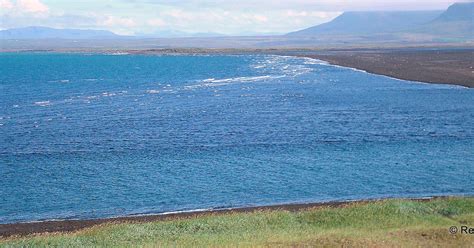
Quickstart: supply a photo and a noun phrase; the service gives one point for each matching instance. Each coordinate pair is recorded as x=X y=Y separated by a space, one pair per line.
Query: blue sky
x=219 y=16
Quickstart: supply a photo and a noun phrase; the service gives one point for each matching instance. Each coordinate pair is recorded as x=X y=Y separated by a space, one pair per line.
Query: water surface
x=89 y=136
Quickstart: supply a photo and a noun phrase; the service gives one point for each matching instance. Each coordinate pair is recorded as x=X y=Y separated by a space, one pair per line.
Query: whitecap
x=153 y=91
x=59 y=81
x=311 y=61
x=118 y=53
x=212 y=82
x=43 y=103
x=287 y=65
x=240 y=79
x=344 y=67
x=108 y=94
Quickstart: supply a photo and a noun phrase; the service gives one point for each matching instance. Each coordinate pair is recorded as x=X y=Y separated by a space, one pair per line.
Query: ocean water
x=90 y=136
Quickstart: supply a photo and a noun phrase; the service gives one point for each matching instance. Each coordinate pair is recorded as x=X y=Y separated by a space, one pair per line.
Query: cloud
x=6 y=4
x=307 y=5
x=220 y=16
x=318 y=14
x=22 y=8
x=156 y=22
x=32 y=6
x=54 y=21
x=112 y=21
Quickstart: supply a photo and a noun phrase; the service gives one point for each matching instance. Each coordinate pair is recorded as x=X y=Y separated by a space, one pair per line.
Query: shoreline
x=432 y=67
x=21 y=229
x=382 y=75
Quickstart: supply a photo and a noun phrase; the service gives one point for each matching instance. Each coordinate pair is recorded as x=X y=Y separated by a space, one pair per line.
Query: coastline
x=432 y=65
x=435 y=66
x=65 y=226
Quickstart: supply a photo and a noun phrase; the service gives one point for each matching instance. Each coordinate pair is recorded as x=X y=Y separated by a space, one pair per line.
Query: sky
x=230 y=17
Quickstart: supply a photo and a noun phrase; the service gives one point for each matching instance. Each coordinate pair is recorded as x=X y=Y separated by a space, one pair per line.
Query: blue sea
x=97 y=135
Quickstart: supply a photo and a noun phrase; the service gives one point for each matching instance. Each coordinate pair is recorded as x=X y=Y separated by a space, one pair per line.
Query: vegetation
x=388 y=223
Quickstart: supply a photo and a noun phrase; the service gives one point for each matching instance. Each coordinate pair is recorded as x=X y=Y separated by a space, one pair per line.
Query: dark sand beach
x=54 y=226
x=444 y=66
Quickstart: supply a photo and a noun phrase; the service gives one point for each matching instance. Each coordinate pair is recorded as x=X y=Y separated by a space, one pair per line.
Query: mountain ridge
x=369 y=22
x=456 y=21
x=40 y=32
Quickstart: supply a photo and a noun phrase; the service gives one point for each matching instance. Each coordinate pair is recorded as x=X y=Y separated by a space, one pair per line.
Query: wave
x=349 y=68
x=108 y=94
x=311 y=61
x=59 y=81
x=153 y=91
x=212 y=82
x=43 y=103
x=91 y=79
x=118 y=53
x=289 y=66
x=237 y=79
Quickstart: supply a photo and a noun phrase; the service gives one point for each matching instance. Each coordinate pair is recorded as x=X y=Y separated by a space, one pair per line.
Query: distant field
x=388 y=223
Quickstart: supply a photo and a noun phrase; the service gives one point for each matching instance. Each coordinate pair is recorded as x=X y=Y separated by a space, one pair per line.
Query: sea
x=102 y=135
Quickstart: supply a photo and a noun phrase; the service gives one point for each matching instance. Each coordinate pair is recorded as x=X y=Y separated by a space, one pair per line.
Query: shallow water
x=88 y=136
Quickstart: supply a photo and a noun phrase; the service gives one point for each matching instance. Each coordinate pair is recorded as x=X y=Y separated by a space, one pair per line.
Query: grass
x=388 y=223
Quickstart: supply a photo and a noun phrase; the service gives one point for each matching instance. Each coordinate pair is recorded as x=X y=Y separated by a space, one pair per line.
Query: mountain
x=53 y=33
x=176 y=34
x=458 y=12
x=363 y=23
x=457 y=21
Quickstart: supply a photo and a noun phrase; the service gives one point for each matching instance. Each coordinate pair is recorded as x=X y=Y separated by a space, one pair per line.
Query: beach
x=443 y=66
x=430 y=222
x=53 y=226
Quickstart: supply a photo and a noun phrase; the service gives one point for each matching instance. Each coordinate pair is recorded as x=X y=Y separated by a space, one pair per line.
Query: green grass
x=389 y=223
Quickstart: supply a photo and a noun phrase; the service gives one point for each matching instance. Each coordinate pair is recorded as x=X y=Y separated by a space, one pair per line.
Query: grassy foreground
x=388 y=223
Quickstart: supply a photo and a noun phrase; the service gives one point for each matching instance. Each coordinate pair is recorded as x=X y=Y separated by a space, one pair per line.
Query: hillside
x=363 y=23
x=456 y=21
x=52 y=33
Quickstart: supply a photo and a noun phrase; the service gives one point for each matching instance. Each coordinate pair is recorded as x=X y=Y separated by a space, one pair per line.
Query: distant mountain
x=365 y=23
x=458 y=12
x=255 y=33
x=53 y=33
x=176 y=34
x=457 y=20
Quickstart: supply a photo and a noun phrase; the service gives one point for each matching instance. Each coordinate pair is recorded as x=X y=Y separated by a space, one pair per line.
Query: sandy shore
x=444 y=66
x=23 y=229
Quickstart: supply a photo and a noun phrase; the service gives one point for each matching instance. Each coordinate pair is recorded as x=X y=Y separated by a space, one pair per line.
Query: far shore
x=55 y=226
x=438 y=66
